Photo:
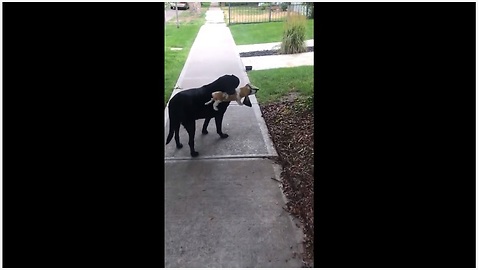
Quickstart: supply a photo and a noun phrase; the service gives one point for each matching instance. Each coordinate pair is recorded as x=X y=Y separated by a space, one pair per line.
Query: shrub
x=294 y=33
x=284 y=6
x=238 y=4
x=263 y=6
x=310 y=10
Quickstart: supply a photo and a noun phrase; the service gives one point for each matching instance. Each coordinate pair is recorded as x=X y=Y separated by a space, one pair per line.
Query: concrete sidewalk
x=275 y=61
x=267 y=46
x=222 y=209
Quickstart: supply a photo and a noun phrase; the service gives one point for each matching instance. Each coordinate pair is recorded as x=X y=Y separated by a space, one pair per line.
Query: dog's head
x=247 y=90
x=227 y=84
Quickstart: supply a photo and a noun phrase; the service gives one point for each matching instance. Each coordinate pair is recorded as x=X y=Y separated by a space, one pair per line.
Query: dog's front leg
x=190 y=127
x=205 y=125
x=218 y=123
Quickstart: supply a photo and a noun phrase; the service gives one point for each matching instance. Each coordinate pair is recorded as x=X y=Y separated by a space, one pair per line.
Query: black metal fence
x=257 y=12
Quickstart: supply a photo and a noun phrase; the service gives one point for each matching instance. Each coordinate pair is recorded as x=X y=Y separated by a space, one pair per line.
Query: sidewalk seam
x=219 y=157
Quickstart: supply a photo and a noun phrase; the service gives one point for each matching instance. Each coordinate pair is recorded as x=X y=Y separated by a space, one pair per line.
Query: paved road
x=222 y=209
x=170 y=14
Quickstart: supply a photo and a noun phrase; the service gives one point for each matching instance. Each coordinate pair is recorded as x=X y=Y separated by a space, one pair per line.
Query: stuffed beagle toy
x=241 y=92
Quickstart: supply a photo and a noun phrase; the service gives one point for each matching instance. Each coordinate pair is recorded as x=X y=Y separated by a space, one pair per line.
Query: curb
x=294 y=221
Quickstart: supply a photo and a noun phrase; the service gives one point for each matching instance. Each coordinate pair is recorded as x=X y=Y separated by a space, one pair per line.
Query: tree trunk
x=195 y=7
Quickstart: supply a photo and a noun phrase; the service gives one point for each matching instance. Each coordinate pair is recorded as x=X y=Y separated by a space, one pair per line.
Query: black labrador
x=189 y=105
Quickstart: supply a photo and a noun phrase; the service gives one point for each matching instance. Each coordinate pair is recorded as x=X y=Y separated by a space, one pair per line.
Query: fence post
x=228 y=13
x=270 y=13
x=176 y=12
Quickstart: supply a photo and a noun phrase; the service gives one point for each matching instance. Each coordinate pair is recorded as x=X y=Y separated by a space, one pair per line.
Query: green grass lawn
x=277 y=83
x=262 y=32
x=182 y=37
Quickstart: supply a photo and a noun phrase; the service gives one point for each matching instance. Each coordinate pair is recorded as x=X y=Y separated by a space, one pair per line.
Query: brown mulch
x=290 y=124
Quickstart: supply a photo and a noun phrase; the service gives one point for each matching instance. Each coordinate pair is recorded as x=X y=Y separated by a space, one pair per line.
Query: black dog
x=189 y=105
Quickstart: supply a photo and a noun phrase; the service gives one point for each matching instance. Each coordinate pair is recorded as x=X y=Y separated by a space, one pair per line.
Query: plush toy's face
x=247 y=90
x=253 y=89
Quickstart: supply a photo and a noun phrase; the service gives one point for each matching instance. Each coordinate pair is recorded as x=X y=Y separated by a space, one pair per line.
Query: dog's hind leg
x=190 y=127
x=174 y=129
x=177 y=137
x=218 y=123
x=205 y=125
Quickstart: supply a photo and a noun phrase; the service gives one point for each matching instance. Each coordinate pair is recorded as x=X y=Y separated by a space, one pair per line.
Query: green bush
x=284 y=6
x=264 y=6
x=239 y=4
x=294 y=33
x=205 y=4
x=310 y=10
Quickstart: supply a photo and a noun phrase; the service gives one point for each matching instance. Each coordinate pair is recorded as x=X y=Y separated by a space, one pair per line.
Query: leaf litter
x=290 y=124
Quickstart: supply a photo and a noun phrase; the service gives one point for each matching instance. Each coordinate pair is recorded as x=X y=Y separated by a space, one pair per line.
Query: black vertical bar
x=270 y=14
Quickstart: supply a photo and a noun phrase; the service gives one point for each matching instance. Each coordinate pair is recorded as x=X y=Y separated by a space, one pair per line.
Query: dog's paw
x=223 y=135
x=204 y=131
x=194 y=154
x=215 y=108
x=179 y=145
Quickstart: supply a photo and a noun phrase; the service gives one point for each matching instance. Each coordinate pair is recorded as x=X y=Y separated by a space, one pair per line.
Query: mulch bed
x=291 y=127
x=267 y=52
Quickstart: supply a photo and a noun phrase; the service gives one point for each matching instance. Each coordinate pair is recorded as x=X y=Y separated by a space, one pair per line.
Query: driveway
x=170 y=14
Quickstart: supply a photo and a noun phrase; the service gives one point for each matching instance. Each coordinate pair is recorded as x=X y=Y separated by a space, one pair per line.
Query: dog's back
x=189 y=105
x=226 y=83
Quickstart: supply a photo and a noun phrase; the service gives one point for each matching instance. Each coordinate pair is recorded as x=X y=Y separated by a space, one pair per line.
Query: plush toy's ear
x=246 y=101
x=253 y=87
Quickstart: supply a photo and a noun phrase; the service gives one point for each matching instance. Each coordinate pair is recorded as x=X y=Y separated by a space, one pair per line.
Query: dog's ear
x=246 y=101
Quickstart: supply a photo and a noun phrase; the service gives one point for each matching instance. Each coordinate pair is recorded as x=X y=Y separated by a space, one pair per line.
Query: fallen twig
x=277 y=180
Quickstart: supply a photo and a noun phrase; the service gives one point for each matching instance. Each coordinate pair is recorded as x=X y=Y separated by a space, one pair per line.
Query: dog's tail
x=173 y=127
x=170 y=133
